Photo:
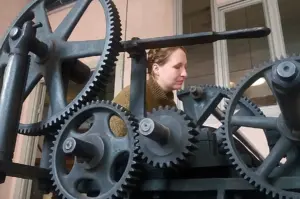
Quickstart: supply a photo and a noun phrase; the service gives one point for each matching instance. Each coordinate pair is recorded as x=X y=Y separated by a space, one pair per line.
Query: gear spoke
x=66 y=27
x=101 y=123
x=273 y=159
x=42 y=17
x=81 y=49
x=3 y=62
x=76 y=174
x=119 y=145
x=116 y=144
x=104 y=180
x=55 y=87
x=268 y=77
x=4 y=59
x=34 y=76
x=255 y=122
x=103 y=175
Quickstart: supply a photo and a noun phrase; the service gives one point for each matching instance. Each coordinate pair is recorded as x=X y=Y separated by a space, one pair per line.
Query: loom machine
x=167 y=153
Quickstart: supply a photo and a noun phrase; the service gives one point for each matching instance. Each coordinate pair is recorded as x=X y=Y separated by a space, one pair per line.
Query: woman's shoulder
x=124 y=92
x=122 y=97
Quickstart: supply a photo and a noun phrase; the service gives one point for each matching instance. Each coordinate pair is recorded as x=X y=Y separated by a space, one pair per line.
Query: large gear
x=99 y=155
x=270 y=168
x=61 y=50
x=181 y=142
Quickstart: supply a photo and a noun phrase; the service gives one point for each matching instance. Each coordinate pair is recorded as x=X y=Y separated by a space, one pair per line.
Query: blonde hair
x=160 y=56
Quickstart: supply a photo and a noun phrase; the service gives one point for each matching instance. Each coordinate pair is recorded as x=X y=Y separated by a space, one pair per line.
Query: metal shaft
x=195 y=38
x=138 y=83
x=11 y=101
x=286 y=83
x=154 y=131
x=79 y=148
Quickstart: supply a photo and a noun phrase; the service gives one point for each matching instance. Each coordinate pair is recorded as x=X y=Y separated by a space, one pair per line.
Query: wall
x=11 y=11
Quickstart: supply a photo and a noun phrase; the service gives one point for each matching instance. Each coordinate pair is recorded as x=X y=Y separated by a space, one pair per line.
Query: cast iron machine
x=168 y=153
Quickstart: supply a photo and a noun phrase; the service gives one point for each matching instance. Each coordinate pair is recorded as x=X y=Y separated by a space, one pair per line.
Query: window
x=289 y=15
x=197 y=18
x=245 y=54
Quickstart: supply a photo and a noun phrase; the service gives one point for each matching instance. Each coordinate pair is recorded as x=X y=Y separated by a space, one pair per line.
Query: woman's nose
x=184 y=73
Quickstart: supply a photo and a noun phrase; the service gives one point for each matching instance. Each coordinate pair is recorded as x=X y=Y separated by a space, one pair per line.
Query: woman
x=167 y=72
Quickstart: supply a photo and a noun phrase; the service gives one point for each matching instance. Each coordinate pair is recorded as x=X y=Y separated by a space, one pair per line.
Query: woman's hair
x=160 y=56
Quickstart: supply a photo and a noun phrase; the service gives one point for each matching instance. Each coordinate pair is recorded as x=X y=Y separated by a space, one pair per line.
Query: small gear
x=105 y=166
x=57 y=40
x=283 y=147
x=181 y=141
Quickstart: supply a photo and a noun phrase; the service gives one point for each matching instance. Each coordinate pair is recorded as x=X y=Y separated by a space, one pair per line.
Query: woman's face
x=172 y=74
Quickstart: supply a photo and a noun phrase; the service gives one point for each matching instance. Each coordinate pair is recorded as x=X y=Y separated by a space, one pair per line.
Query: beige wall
x=9 y=13
x=146 y=19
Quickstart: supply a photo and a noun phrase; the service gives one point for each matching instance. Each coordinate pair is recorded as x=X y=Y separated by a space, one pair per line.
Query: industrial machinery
x=168 y=153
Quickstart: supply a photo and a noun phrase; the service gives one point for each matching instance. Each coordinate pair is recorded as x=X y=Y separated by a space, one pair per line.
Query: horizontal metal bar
x=23 y=171
x=194 y=38
x=210 y=184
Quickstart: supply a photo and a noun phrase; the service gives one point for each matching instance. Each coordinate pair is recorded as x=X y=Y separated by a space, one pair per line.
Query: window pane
x=289 y=14
x=197 y=18
x=244 y=54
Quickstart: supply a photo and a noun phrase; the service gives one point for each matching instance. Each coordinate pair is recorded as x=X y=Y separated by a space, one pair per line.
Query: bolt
x=196 y=91
x=286 y=70
x=37 y=25
x=14 y=33
x=68 y=144
x=145 y=125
